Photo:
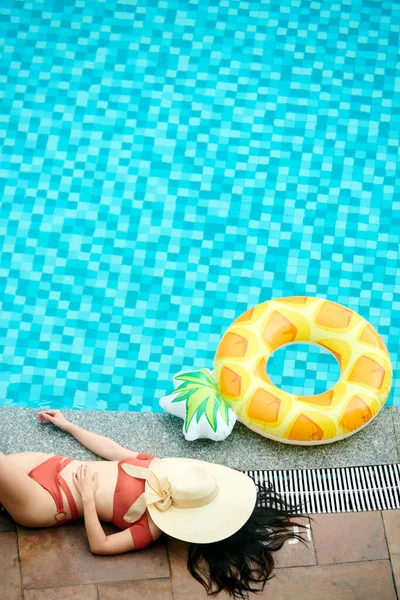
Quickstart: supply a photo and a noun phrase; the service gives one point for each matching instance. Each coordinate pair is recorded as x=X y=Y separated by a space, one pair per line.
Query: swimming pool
x=165 y=166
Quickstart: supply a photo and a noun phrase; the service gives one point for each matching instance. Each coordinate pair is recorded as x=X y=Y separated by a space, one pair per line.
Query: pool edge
x=161 y=434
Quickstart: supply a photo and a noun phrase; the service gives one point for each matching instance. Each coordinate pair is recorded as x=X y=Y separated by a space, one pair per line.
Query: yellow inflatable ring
x=362 y=389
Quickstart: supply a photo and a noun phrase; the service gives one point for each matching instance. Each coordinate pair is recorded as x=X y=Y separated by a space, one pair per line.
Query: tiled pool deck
x=349 y=556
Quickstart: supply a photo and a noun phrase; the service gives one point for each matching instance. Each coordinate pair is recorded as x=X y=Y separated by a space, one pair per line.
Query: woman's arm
x=98 y=541
x=99 y=444
x=94 y=531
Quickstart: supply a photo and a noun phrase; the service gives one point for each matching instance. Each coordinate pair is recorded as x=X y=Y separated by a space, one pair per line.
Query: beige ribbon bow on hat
x=162 y=494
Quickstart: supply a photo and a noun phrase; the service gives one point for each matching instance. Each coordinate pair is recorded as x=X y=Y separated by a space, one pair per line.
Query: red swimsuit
x=127 y=490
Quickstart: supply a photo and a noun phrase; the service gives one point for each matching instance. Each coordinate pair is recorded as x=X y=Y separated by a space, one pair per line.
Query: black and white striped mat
x=345 y=489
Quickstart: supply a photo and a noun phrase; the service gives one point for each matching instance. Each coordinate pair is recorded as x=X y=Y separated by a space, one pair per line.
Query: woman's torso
x=107 y=480
x=107 y=476
x=104 y=499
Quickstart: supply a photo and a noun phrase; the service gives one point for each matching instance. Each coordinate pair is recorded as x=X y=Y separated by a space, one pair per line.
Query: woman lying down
x=231 y=525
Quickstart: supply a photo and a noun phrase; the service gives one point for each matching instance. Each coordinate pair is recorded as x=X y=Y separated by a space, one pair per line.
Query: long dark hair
x=245 y=559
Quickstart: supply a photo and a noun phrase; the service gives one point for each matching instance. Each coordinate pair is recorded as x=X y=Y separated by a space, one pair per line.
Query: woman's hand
x=53 y=416
x=86 y=484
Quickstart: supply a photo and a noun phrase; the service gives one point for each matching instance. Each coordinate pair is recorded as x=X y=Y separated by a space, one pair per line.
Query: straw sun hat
x=193 y=500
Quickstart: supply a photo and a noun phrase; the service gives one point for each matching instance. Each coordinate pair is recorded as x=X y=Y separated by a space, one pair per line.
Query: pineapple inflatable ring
x=242 y=384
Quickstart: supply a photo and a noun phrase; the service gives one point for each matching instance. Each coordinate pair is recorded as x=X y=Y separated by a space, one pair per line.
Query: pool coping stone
x=161 y=434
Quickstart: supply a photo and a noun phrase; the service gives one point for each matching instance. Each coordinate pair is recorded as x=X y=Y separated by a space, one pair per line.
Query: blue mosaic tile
x=166 y=165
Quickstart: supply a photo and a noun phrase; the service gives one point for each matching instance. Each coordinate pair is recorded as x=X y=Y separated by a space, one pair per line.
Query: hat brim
x=215 y=521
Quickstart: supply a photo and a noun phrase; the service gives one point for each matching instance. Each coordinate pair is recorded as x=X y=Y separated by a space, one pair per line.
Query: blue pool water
x=165 y=165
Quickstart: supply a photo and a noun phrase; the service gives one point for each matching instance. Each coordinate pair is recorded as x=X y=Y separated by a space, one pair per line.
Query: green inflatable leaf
x=224 y=410
x=201 y=377
x=211 y=413
x=200 y=392
x=194 y=403
x=189 y=385
x=182 y=395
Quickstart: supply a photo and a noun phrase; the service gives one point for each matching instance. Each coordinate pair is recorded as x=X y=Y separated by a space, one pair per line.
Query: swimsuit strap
x=66 y=490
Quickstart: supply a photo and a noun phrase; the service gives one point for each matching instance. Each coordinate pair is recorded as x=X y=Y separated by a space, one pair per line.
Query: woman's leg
x=27 y=461
x=22 y=497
